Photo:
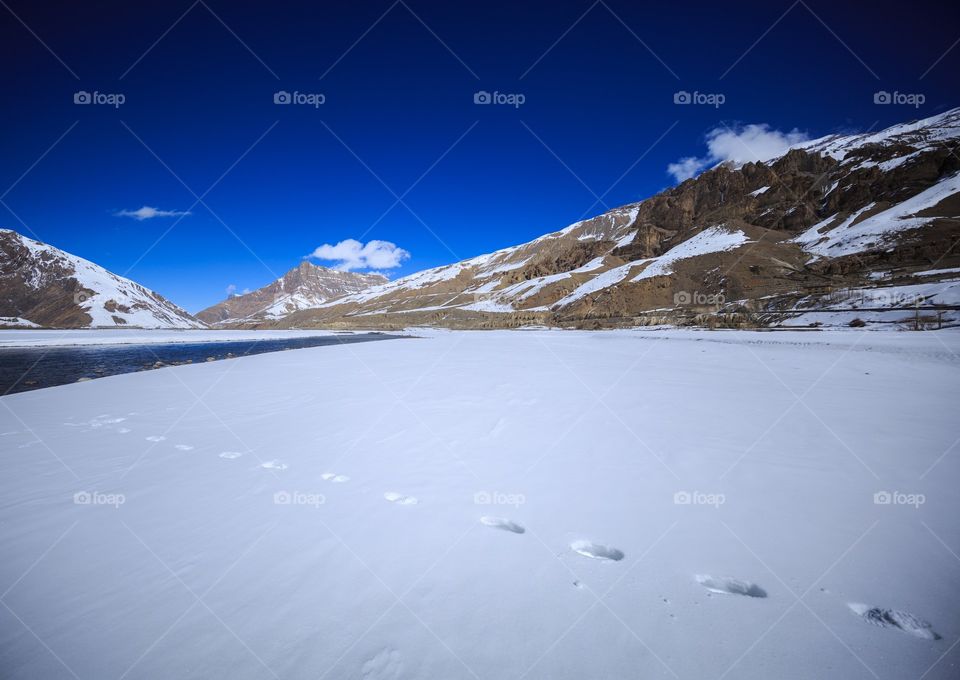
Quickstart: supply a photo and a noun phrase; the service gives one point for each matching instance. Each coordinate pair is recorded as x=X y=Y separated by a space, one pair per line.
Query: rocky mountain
x=847 y=228
x=304 y=287
x=44 y=286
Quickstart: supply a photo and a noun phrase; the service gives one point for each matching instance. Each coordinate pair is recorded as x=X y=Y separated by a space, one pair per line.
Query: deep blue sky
x=399 y=99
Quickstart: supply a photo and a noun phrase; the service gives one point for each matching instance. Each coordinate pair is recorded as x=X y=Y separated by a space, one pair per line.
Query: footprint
x=331 y=477
x=503 y=524
x=273 y=465
x=100 y=421
x=730 y=586
x=400 y=499
x=386 y=665
x=230 y=455
x=892 y=618
x=596 y=551
x=155 y=438
x=183 y=447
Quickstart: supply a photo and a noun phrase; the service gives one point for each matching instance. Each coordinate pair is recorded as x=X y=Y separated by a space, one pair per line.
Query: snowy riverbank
x=109 y=336
x=493 y=505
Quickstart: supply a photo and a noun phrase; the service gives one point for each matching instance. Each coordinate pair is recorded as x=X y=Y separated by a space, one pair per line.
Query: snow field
x=494 y=505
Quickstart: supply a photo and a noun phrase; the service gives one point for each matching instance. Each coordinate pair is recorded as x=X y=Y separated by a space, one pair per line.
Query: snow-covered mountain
x=303 y=287
x=45 y=286
x=760 y=243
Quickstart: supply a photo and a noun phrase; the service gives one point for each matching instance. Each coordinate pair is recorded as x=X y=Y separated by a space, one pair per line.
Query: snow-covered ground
x=63 y=338
x=9 y=321
x=540 y=504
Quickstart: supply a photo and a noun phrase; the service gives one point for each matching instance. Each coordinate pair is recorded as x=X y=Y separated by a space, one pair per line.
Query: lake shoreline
x=34 y=367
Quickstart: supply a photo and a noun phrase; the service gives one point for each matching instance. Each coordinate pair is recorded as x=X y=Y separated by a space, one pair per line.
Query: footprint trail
x=893 y=618
x=596 y=551
x=400 y=499
x=726 y=585
x=502 y=524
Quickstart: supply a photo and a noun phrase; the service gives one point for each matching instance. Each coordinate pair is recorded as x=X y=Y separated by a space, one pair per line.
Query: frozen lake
x=31 y=368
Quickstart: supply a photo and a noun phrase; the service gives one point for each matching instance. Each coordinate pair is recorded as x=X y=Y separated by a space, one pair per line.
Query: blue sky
x=399 y=151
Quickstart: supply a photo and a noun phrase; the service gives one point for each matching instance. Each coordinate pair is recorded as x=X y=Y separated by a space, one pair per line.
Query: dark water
x=23 y=369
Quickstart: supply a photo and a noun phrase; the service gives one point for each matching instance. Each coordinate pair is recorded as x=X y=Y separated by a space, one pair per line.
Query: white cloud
x=686 y=168
x=351 y=254
x=231 y=289
x=146 y=213
x=743 y=144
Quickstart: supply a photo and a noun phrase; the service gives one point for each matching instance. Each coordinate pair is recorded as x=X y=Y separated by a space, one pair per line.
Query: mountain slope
x=304 y=287
x=43 y=285
x=754 y=244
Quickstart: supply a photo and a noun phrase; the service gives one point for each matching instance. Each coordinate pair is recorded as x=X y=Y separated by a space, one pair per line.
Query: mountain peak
x=306 y=286
x=49 y=287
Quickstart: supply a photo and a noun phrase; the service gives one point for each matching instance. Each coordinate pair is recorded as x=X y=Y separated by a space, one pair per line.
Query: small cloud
x=685 y=168
x=146 y=213
x=351 y=254
x=231 y=289
x=739 y=145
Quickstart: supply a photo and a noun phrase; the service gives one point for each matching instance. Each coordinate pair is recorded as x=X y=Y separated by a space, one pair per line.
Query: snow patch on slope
x=611 y=277
x=853 y=237
x=712 y=240
x=17 y=321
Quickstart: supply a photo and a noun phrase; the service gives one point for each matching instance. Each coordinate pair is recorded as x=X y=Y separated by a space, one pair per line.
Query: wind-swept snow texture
x=538 y=504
